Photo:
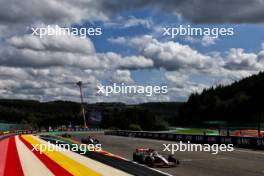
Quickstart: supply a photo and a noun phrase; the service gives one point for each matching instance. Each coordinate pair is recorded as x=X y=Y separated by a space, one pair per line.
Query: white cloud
x=128 y=22
x=32 y=51
x=171 y=55
x=180 y=85
x=204 y=41
x=208 y=40
x=237 y=59
x=132 y=22
x=55 y=83
x=53 y=43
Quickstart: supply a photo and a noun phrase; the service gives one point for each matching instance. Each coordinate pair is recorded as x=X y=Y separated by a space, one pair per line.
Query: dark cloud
x=74 y=11
x=48 y=11
x=199 y=11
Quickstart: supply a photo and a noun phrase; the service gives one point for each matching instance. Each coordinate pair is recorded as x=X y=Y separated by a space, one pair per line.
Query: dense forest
x=239 y=102
x=39 y=114
x=147 y=116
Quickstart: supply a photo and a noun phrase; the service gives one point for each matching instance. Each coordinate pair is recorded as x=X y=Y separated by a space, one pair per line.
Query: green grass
x=194 y=131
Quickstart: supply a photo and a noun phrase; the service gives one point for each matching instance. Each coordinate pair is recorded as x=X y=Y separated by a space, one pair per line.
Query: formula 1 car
x=152 y=158
x=90 y=140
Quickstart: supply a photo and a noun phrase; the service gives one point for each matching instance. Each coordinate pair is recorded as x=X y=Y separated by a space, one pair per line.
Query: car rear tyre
x=135 y=157
x=149 y=161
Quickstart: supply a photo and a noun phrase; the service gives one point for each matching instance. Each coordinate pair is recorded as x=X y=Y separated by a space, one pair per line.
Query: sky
x=132 y=48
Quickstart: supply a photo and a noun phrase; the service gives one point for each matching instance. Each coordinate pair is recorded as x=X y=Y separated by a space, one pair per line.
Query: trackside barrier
x=72 y=130
x=35 y=131
x=6 y=134
x=242 y=142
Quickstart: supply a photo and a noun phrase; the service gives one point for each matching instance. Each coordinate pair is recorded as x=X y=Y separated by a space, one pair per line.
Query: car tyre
x=149 y=161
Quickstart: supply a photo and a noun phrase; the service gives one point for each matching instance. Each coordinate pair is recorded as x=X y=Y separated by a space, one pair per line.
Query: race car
x=89 y=140
x=152 y=158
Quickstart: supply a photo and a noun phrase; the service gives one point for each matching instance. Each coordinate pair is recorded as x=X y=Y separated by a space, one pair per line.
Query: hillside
x=55 y=113
x=240 y=102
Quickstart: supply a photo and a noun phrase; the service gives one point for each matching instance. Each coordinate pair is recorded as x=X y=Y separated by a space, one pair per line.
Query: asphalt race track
x=240 y=162
x=121 y=164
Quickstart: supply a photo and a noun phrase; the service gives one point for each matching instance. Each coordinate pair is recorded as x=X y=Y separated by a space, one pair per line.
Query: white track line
x=31 y=165
x=92 y=164
x=151 y=168
x=213 y=159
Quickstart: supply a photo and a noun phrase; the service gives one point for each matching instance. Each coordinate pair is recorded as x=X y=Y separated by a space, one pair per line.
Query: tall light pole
x=82 y=105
